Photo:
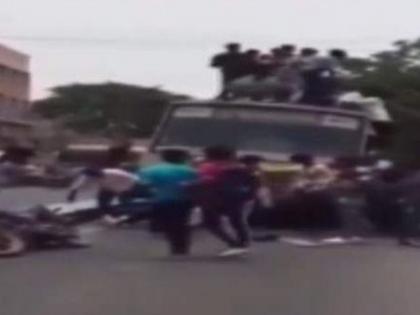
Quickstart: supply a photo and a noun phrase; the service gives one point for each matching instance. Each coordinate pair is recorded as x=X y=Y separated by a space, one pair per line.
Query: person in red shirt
x=217 y=159
x=228 y=189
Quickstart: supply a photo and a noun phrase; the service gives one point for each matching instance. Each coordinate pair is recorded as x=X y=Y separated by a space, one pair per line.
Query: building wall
x=15 y=84
x=15 y=131
x=15 y=79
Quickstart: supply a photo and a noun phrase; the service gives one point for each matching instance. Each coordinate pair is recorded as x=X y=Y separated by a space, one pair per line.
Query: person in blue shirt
x=168 y=181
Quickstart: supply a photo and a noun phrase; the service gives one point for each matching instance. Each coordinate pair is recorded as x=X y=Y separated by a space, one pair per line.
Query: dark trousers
x=408 y=218
x=318 y=90
x=224 y=94
x=104 y=200
x=237 y=215
x=173 y=220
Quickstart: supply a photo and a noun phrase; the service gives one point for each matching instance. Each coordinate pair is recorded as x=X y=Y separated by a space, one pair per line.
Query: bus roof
x=270 y=105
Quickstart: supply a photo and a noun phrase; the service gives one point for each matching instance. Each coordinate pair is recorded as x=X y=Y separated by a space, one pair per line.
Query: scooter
x=36 y=228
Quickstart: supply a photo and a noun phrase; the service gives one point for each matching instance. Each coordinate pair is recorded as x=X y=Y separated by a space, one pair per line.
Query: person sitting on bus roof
x=336 y=59
x=229 y=64
x=277 y=54
x=287 y=52
x=250 y=62
x=321 y=76
x=332 y=72
x=290 y=83
x=307 y=58
x=266 y=66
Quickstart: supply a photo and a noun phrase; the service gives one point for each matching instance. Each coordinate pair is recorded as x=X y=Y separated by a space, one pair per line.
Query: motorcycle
x=36 y=228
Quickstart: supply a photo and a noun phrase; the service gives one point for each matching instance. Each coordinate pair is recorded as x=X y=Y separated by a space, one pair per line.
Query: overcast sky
x=168 y=42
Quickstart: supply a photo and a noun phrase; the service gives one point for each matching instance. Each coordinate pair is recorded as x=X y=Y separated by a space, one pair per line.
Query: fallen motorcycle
x=36 y=228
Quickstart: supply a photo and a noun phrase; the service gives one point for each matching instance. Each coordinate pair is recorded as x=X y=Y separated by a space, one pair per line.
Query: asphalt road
x=127 y=272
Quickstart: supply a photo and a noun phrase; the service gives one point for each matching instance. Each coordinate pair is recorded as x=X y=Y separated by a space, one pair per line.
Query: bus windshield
x=264 y=130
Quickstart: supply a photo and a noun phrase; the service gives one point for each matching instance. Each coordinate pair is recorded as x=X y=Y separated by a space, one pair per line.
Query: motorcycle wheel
x=11 y=244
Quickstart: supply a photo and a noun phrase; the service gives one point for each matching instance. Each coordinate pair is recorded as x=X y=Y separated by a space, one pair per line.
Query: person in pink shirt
x=228 y=189
x=217 y=159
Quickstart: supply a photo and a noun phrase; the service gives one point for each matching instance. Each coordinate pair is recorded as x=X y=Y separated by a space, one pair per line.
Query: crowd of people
x=221 y=185
x=283 y=74
x=226 y=187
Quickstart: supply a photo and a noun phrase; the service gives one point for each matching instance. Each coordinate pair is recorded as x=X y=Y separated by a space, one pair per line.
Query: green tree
x=394 y=75
x=105 y=109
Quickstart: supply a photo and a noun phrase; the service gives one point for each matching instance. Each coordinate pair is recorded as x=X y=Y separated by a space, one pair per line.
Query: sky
x=168 y=43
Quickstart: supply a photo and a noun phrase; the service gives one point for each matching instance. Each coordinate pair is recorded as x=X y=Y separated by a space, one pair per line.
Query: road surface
x=127 y=272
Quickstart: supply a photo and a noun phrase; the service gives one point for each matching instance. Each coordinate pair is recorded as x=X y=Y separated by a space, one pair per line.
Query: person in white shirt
x=307 y=59
x=111 y=183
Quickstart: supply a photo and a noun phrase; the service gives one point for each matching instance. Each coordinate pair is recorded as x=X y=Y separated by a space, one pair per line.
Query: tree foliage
x=105 y=109
x=394 y=75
